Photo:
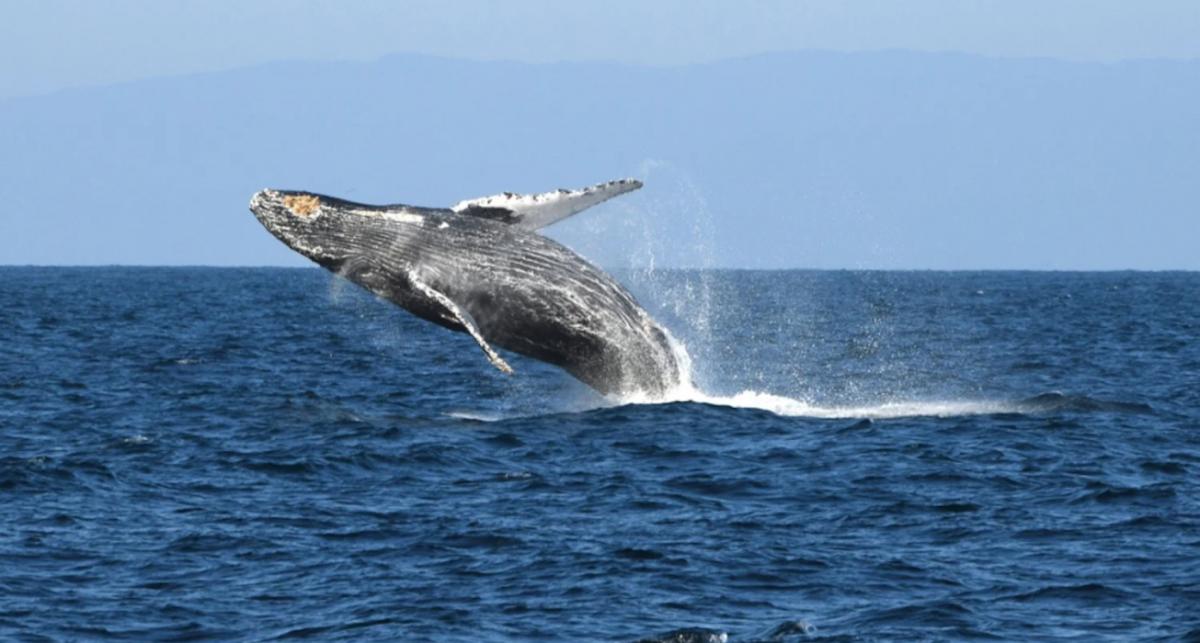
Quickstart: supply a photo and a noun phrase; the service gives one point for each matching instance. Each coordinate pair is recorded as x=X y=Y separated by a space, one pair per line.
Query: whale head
x=325 y=229
x=304 y=221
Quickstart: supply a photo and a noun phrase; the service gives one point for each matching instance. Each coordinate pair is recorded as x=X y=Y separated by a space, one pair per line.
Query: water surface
x=268 y=453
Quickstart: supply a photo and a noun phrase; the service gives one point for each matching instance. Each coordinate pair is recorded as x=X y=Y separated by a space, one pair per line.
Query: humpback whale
x=480 y=267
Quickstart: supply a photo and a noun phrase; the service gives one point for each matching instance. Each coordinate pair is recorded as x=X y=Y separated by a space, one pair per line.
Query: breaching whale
x=480 y=267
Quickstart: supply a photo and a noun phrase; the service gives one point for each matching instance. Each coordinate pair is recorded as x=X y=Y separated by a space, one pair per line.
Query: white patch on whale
x=399 y=216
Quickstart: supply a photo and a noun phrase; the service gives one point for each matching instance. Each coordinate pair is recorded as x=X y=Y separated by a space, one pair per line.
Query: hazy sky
x=46 y=45
x=888 y=160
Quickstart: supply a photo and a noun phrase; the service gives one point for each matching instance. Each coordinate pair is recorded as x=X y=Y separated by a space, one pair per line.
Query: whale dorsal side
x=534 y=211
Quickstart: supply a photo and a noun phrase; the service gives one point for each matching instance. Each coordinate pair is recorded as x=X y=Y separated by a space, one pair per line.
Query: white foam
x=793 y=407
x=782 y=405
x=476 y=416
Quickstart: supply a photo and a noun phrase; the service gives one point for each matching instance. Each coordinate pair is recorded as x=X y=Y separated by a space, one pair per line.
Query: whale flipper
x=534 y=211
x=464 y=318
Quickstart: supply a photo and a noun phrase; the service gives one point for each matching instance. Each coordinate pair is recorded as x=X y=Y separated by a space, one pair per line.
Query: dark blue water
x=259 y=454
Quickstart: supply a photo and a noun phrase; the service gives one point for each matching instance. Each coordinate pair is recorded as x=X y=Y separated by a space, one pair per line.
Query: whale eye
x=302 y=205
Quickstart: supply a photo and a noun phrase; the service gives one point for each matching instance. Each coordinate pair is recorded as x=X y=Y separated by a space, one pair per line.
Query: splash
x=791 y=407
x=688 y=391
x=685 y=301
x=785 y=406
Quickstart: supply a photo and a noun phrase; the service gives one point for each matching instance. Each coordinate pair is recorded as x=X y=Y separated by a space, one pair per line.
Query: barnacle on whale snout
x=301 y=205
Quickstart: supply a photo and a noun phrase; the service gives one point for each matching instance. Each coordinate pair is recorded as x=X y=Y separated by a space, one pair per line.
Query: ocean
x=259 y=454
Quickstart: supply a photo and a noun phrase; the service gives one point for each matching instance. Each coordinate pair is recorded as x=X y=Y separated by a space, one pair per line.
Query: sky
x=48 y=45
x=919 y=134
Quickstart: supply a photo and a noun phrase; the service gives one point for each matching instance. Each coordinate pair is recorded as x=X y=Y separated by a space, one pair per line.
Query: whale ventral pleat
x=302 y=204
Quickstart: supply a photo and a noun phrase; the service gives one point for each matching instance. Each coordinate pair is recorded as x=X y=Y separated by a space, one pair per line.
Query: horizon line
x=7 y=266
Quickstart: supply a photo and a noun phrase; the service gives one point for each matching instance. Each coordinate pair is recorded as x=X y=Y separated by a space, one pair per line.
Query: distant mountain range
x=879 y=160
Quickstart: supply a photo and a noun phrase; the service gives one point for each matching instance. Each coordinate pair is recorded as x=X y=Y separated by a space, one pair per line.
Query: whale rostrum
x=480 y=267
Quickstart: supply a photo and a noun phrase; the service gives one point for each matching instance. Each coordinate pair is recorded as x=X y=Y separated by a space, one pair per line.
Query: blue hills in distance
x=824 y=160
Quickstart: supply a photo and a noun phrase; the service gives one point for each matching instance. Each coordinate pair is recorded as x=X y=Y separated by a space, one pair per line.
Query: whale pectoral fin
x=533 y=211
x=464 y=318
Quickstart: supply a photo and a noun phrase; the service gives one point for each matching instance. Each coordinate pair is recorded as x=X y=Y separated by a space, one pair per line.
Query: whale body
x=480 y=267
